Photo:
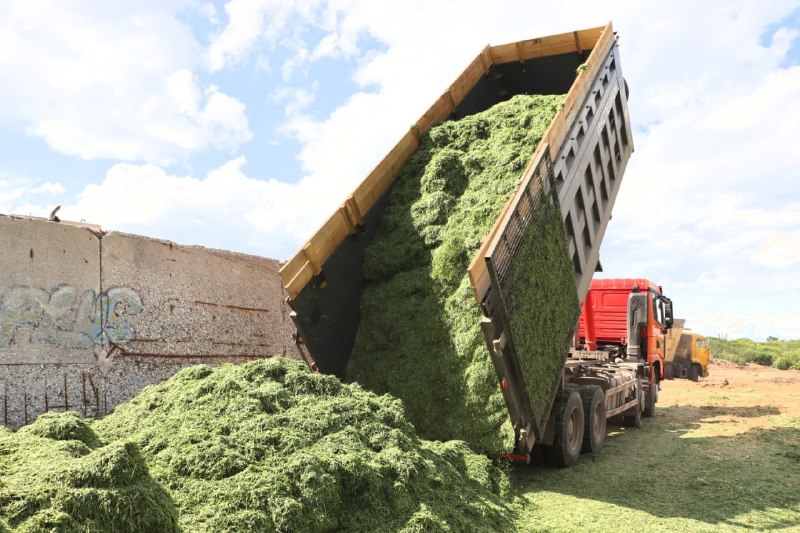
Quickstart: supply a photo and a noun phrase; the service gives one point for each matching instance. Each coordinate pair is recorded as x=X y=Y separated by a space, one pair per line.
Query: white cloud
x=209 y=11
x=260 y=24
x=747 y=325
x=296 y=64
x=779 y=250
x=297 y=100
x=336 y=45
x=18 y=194
x=225 y=209
x=111 y=81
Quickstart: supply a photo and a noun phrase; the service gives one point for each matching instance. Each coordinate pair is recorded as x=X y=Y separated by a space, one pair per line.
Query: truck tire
x=669 y=371
x=694 y=373
x=568 y=434
x=594 y=416
x=633 y=416
x=651 y=397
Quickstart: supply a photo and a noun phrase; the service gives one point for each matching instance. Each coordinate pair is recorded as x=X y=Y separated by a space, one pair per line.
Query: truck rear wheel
x=568 y=434
x=694 y=373
x=594 y=415
x=669 y=371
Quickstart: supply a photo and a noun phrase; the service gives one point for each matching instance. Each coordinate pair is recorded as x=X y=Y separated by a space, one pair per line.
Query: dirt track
x=737 y=398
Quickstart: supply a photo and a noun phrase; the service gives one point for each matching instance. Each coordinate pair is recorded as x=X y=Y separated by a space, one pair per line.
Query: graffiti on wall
x=67 y=316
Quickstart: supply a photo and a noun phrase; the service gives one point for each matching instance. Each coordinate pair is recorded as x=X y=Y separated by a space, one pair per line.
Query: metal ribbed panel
x=582 y=181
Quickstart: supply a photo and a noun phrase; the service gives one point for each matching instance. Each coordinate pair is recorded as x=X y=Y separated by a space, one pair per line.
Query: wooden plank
x=544 y=46
x=578 y=42
x=303 y=267
x=512 y=52
x=451 y=103
x=485 y=58
x=471 y=75
x=311 y=259
x=295 y=273
x=518 y=50
x=345 y=212
x=354 y=211
x=290 y=269
x=379 y=180
x=326 y=240
x=300 y=279
x=439 y=111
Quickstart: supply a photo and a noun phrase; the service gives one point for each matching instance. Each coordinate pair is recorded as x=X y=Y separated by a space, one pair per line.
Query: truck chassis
x=594 y=389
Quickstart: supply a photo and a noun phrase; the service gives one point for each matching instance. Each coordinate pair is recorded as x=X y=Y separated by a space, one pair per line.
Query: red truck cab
x=629 y=317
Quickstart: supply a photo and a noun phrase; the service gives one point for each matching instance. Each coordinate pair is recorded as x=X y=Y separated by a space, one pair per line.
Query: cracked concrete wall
x=87 y=319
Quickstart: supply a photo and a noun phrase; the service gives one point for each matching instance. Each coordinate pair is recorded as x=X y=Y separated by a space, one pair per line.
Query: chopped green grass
x=543 y=307
x=264 y=446
x=51 y=480
x=419 y=338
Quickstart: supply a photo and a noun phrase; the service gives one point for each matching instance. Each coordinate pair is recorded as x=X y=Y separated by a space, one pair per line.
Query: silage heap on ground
x=419 y=338
x=264 y=446
x=56 y=476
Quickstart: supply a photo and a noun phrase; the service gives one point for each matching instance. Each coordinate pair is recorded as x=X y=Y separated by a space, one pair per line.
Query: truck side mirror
x=668 y=317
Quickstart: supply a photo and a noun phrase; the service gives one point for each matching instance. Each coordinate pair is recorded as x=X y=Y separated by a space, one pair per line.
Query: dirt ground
x=737 y=398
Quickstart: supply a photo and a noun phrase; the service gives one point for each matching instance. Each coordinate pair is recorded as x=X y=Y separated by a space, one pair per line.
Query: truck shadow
x=711 y=464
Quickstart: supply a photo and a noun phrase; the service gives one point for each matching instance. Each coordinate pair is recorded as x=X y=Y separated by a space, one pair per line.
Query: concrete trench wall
x=87 y=318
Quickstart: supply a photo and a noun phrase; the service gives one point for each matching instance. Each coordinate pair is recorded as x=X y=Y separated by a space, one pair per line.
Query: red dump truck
x=629 y=318
x=578 y=167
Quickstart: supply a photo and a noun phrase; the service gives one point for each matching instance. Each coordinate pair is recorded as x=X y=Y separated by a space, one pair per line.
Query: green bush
x=774 y=353
x=782 y=364
x=760 y=357
x=793 y=356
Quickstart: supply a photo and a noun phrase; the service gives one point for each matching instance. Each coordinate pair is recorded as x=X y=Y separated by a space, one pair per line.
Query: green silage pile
x=264 y=446
x=55 y=476
x=419 y=338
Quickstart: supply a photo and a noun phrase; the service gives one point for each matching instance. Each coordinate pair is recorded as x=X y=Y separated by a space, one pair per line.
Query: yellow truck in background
x=687 y=354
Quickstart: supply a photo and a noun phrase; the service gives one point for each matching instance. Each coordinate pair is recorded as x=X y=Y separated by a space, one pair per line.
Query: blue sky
x=242 y=124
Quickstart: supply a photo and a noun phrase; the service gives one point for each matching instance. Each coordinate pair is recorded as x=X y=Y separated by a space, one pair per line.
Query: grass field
x=722 y=454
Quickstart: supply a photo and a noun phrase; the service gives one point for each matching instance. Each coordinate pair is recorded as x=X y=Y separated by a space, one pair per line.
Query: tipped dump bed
x=674 y=338
x=577 y=166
